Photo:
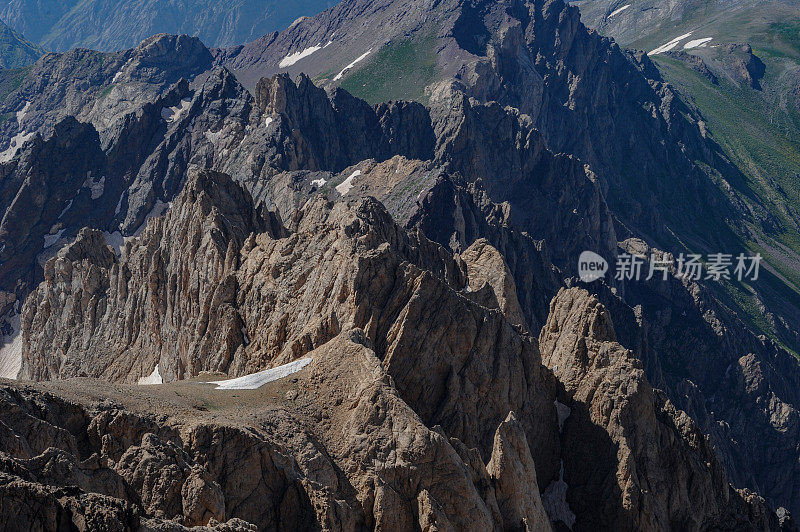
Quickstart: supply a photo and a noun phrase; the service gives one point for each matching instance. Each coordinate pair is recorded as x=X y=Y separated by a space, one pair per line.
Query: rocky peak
x=605 y=385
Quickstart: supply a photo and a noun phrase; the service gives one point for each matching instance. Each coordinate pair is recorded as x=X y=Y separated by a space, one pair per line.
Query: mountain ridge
x=367 y=225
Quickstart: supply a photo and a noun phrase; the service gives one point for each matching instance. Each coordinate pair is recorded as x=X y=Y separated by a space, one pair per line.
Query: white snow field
x=618 y=11
x=351 y=65
x=11 y=350
x=671 y=44
x=345 y=186
x=257 y=380
x=153 y=378
x=697 y=43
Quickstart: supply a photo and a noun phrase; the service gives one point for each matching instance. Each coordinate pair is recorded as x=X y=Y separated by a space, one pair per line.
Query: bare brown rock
x=514 y=476
x=660 y=469
x=491 y=280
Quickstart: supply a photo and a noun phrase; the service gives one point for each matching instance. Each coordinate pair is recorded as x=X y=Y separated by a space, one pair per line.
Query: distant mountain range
x=15 y=51
x=110 y=25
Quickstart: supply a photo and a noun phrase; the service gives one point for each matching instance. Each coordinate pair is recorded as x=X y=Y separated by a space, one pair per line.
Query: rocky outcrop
x=553 y=197
x=181 y=272
x=334 y=131
x=338 y=446
x=662 y=470
x=514 y=475
x=744 y=66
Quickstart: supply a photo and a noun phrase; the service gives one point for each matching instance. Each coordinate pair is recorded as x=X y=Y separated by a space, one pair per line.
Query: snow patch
x=119 y=205
x=563 y=412
x=96 y=187
x=19 y=139
x=50 y=240
x=257 y=380
x=345 y=186
x=158 y=210
x=116 y=241
x=68 y=207
x=670 y=45
x=268 y=121
x=351 y=65
x=16 y=143
x=21 y=114
x=153 y=378
x=174 y=114
x=618 y=11
x=214 y=137
x=697 y=43
x=121 y=70
x=318 y=183
x=11 y=348
x=554 y=500
x=291 y=59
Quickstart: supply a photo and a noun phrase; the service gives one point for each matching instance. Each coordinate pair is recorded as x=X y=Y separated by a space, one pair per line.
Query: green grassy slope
x=759 y=131
x=398 y=71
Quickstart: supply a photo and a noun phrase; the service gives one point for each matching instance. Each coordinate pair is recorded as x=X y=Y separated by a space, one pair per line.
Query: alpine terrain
x=336 y=278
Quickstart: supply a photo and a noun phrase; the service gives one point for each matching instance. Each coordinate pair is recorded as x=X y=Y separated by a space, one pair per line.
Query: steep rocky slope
x=406 y=416
x=737 y=63
x=113 y=25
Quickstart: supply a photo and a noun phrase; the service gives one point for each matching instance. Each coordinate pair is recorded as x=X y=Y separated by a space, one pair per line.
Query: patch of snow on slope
x=618 y=11
x=96 y=187
x=554 y=500
x=21 y=114
x=50 y=240
x=697 y=43
x=563 y=412
x=68 y=207
x=16 y=143
x=153 y=378
x=257 y=380
x=670 y=45
x=214 y=137
x=318 y=183
x=158 y=210
x=121 y=70
x=174 y=114
x=11 y=349
x=268 y=121
x=291 y=59
x=116 y=241
x=351 y=65
x=345 y=186
x=19 y=139
x=118 y=209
